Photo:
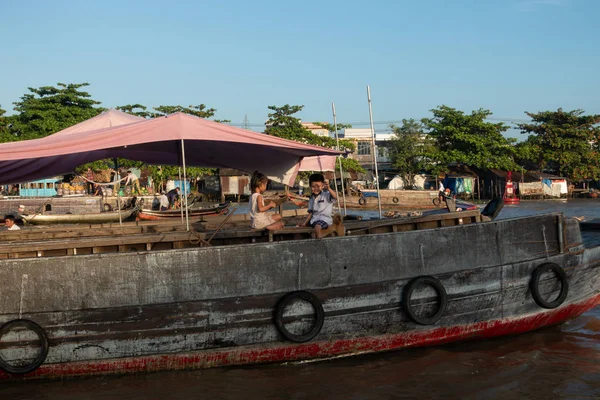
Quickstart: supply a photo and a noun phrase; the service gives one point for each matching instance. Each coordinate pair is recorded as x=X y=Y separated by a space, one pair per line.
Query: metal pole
x=181 y=201
x=114 y=186
x=187 y=212
x=374 y=150
x=337 y=140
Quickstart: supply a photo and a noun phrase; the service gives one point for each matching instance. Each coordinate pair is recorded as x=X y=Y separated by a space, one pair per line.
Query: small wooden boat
x=153 y=215
x=92 y=218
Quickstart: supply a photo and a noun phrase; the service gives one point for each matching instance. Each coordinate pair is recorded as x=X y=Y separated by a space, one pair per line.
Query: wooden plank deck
x=78 y=240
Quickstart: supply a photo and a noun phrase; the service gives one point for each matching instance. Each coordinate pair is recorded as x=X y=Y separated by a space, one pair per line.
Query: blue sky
x=508 y=56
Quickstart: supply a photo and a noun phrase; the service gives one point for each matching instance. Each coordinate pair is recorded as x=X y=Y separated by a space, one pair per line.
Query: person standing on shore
x=441 y=191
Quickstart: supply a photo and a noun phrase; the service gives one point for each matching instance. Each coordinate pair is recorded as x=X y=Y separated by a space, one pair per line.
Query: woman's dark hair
x=257 y=179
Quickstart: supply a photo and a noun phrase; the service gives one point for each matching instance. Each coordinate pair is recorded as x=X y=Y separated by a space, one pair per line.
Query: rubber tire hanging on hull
x=287 y=300
x=534 y=285
x=362 y=201
x=395 y=199
x=41 y=357
x=107 y=207
x=436 y=201
x=407 y=293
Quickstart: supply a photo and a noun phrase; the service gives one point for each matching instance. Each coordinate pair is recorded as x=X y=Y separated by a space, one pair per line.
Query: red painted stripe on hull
x=287 y=352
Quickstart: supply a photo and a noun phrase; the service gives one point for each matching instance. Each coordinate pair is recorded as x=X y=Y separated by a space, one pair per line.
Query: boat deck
x=74 y=240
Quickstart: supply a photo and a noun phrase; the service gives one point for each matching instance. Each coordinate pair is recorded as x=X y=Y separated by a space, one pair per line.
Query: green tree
x=135 y=109
x=408 y=149
x=568 y=143
x=283 y=124
x=198 y=111
x=49 y=109
x=350 y=165
x=468 y=139
x=528 y=154
x=5 y=135
x=331 y=127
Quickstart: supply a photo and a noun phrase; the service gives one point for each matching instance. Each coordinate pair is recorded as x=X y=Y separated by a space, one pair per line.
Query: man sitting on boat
x=320 y=205
x=163 y=201
x=9 y=221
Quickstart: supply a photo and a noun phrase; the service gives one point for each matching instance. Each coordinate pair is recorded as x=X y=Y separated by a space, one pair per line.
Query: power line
x=247 y=124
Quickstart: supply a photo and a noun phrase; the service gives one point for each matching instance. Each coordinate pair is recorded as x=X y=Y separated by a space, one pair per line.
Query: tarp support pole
x=114 y=186
x=185 y=194
x=374 y=151
x=339 y=158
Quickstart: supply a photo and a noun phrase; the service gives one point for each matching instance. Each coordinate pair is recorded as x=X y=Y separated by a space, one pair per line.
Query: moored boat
x=387 y=285
x=155 y=215
x=90 y=218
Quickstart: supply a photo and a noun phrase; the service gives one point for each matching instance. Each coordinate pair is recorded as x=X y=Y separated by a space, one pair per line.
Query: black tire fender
x=288 y=299
x=436 y=201
x=395 y=200
x=534 y=285
x=362 y=201
x=43 y=353
x=407 y=293
x=107 y=207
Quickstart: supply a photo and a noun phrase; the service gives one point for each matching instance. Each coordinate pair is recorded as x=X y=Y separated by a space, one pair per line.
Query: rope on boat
x=196 y=239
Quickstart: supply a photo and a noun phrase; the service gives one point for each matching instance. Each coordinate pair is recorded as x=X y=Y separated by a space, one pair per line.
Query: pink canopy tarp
x=106 y=119
x=158 y=141
x=318 y=163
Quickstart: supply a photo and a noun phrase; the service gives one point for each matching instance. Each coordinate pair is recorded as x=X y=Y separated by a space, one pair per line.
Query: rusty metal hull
x=196 y=308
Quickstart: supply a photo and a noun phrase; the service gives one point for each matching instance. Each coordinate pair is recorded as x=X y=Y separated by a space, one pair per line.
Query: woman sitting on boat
x=173 y=196
x=260 y=219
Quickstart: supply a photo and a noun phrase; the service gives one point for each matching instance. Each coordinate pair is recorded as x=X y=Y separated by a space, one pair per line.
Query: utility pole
x=245 y=125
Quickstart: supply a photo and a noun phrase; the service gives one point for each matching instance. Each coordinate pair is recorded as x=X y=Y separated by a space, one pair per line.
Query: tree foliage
x=49 y=109
x=468 y=139
x=331 y=127
x=408 y=149
x=283 y=124
x=350 y=164
x=135 y=109
x=5 y=135
x=161 y=111
x=566 y=143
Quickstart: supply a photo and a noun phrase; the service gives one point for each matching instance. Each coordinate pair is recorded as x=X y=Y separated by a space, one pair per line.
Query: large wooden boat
x=89 y=218
x=172 y=299
x=194 y=213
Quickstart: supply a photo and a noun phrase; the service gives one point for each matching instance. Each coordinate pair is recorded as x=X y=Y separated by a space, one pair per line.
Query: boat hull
x=248 y=355
x=202 y=307
x=151 y=215
x=93 y=218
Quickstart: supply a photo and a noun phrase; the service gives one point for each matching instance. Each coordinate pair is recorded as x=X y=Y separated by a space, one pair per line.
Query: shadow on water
x=557 y=362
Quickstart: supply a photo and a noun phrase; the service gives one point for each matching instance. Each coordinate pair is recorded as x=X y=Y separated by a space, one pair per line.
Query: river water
x=559 y=362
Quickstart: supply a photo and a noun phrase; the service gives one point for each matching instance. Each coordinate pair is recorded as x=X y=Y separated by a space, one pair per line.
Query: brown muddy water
x=560 y=362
